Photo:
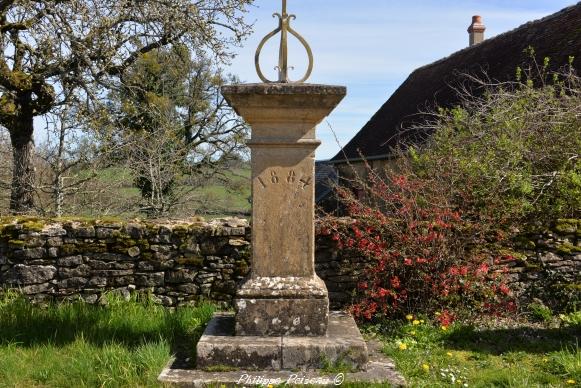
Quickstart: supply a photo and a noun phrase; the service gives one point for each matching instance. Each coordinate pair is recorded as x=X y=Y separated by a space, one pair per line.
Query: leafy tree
x=173 y=125
x=83 y=45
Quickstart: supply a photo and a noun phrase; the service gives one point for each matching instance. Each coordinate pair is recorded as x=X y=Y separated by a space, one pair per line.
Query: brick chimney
x=476 y=30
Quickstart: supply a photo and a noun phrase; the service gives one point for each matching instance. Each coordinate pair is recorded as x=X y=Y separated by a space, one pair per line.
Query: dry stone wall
x=178 y=263
x=547 y=266
x=186 y=262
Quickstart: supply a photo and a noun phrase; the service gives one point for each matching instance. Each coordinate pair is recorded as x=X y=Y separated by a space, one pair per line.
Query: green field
x=227 y=194
x=112 y=193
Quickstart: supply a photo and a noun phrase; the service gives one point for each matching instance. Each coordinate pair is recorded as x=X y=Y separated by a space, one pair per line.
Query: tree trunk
x=22 y=195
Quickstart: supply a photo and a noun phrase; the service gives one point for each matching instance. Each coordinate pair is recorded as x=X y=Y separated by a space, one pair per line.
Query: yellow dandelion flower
x=415 y=322
x=402 y=346
x=571 y=382
x=444 y=328
x=426 y=367
x=449 y=354
x=409 y=317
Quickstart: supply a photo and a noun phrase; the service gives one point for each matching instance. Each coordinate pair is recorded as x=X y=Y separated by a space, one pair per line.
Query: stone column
x=283 y=296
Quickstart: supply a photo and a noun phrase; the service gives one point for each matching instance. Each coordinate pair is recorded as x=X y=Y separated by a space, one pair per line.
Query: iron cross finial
x=284 y=28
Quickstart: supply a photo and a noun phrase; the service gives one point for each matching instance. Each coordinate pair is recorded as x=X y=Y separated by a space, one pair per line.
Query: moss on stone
x=92 y=247
x=220 y=368
x=124 y=241
x=573 y=286
x=568 y=286
x=143 y=244
x=16 y=243
x=517 y=255
x=196 y=261
x=532 y=267
x=524 y=242
x=109 y=220
x=151 y=228
x=68 y=249
x=568 y=248
x=33 y=224
x=90 y=221
x=566 y=226
x=181 y=230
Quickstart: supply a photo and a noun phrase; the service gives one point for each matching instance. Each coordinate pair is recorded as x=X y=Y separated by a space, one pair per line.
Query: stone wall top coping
x=50 y=226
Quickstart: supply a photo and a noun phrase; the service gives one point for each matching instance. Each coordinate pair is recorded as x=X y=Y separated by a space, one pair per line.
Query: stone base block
x=281 y=317
x=218 y=348
x=379 y=371
x=282 y=306
x=342 y=345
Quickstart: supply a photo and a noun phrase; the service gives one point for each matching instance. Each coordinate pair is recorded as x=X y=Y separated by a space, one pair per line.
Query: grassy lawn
x=125 y=344
x=498 y=356
x=128 y=343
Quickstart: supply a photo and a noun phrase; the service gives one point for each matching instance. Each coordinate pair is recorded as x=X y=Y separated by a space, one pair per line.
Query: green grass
x=124 y=344
x=497 y=357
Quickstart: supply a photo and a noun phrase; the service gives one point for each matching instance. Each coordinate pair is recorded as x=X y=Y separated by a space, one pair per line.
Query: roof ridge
x=500 y=36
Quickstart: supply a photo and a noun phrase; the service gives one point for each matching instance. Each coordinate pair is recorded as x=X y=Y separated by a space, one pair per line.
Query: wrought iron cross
x=284 y=28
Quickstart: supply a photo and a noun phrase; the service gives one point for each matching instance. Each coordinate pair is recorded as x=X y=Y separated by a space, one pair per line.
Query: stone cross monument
x=282 y=319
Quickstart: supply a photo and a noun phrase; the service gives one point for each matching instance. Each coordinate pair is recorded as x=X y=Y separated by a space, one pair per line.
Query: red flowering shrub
x=434 y=223
x=424 y=255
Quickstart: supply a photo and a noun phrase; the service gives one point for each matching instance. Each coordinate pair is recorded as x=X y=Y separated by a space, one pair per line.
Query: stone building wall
x=186 y=262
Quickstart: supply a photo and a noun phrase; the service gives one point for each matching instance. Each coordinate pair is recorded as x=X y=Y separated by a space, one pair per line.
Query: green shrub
x=511 y=154
x=540 y=312
x=571 y=319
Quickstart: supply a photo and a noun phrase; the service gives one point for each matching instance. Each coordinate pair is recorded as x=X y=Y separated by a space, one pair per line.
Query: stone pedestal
x=283 y=296
x=282 y=321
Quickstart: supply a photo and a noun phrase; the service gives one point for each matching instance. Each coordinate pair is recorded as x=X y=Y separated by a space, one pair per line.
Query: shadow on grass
x=529 y=340
x=130 y=324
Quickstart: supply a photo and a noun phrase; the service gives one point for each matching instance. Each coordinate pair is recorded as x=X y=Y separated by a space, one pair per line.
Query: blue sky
x=371 y=46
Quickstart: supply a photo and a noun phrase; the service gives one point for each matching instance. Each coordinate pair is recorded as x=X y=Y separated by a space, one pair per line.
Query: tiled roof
x=557 y=36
